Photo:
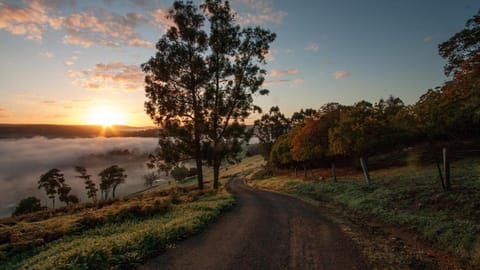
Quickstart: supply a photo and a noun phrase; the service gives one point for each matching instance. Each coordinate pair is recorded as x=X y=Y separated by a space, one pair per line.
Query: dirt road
x=265 y=231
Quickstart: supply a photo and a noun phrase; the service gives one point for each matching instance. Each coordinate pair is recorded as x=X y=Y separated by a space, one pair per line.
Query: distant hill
x=72 y=131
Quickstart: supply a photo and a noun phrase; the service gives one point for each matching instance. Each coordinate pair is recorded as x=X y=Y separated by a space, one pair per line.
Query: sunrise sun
x=105 y=116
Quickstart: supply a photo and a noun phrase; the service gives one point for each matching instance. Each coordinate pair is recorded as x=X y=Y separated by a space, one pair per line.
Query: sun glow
x=105 y=116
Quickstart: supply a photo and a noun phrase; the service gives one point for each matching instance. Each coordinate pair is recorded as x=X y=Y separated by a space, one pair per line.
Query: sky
x=78 y=62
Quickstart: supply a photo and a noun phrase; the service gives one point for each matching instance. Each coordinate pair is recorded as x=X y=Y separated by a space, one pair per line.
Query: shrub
x=179 y=173
x=27 y=205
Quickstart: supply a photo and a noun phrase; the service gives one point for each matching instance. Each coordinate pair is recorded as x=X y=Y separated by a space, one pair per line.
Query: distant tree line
x=335 y=131
x=54 y=184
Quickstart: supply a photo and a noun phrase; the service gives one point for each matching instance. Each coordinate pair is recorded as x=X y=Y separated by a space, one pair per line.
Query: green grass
x=126 y=244
x=410 y=197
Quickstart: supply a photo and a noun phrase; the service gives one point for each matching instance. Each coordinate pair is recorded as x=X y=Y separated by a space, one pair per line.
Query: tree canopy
x=201 y=83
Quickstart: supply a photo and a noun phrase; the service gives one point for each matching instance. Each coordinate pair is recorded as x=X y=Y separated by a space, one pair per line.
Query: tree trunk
x=440 y=175
x=199 y=172
x=296 y=171
x=334 y=173
x=216 y=173
x=113 y=192
x=365 y=170
x=305 y=172
x=446 y=166
x=53 y=202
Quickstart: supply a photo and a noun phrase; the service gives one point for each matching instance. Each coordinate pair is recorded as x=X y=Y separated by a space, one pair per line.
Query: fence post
x=365 y=170
x=446 y=167
x=334 y=175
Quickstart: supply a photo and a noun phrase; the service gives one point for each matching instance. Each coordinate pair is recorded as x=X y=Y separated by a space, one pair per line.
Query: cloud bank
x=23 y=161
x=109 y=76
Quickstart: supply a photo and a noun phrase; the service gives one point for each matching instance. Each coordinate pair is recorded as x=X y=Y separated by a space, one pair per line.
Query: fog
x=23 y=161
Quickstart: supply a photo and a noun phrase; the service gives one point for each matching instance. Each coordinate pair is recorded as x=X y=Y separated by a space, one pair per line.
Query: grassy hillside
x=410 y=197
x=116 y=234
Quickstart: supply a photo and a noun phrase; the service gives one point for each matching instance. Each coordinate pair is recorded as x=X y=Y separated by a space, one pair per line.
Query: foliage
x=281 y=155
x=201 y=82
x=27 y=205
x=174 y=79
x=462 y=51
x=111 y=177
x=53 y=182
x=236 y=54
x=269 y=127
x=89 y=184
x=298 y=118
x=123 y=234
x=180 y=173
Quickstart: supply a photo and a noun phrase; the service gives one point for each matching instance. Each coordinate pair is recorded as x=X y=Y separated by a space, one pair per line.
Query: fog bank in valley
x=23 y=161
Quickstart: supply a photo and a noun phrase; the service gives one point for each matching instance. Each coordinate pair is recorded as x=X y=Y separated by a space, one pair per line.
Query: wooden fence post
x=334 y=174
x=365 y=171
x=446 y=167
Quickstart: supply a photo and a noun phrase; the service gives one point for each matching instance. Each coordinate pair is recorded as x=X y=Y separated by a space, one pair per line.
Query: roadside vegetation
x=404 y=197
x=114 y=234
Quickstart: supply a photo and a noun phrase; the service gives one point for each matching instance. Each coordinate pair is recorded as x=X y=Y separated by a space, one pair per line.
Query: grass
x=408 y=196
x=126 y=245
x=118 y=235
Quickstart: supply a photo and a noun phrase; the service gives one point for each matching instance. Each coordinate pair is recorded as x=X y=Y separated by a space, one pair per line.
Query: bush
x=179 y=173
x=27 y=205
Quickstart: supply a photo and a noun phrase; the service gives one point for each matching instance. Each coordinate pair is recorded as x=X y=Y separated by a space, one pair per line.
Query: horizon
x=81 y=72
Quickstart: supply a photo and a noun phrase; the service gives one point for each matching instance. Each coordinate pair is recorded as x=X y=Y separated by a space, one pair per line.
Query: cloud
x=104 y=28
x=279 y=81
x=28 y=21
x=69 y=63
x=110 y=76
x=160 y=17
x=427 y=39
x=313 y=47
x=341 y=74
x=22 y=161
x=277 y=73
x=263 y=12
x=88 y=28
x=288 y=82
x=270 y=55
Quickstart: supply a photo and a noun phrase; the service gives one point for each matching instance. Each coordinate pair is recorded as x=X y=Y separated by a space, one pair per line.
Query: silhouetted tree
x=235 y=76
x=298 y=118
x=175 y=80
x=200 y=84
x=269 y=127
x=89 y=184
x=64 y=193
x=27 y=205
x=111 y=177
x=462 y=51
x=51 y=181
